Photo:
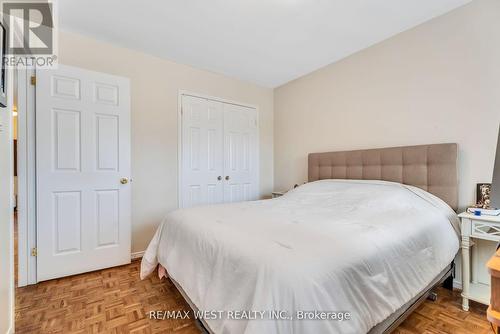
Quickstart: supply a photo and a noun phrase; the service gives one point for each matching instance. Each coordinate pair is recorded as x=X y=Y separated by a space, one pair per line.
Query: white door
x=219 y=148
x=202 y=160
x=240 y=153
x=82 y=153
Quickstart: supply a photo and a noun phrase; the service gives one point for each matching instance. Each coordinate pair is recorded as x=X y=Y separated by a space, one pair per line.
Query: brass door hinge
x=33 y=80
x=34 y=252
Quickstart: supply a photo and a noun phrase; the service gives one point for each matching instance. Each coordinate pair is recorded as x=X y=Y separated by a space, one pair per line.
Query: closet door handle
x=219 y=178
x=227 y=178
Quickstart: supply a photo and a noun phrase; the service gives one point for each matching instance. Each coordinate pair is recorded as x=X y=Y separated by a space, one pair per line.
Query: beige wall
x=155 y=84
x=439 y=82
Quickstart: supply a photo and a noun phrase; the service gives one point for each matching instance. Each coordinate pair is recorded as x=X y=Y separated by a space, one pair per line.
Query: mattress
x=330 y=247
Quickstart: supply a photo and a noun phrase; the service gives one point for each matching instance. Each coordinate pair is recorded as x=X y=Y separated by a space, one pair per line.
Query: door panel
x=83 y=149
x=67 y=220
x=240 y=150
x=67 y=140
x=202 y=156
x=65 y=87
x=107 y=140
x=108 y=217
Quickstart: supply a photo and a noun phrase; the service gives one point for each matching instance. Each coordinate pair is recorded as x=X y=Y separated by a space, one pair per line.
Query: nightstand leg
x=465 y=271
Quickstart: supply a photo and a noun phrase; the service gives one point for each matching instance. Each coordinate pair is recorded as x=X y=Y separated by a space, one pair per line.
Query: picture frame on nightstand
x=483 y=191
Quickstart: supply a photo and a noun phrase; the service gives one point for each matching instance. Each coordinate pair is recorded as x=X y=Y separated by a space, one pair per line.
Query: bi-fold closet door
x=219 y=152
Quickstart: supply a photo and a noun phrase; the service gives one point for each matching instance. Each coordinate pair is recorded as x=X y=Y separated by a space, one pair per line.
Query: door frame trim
x=179 y=134
x=26 y=178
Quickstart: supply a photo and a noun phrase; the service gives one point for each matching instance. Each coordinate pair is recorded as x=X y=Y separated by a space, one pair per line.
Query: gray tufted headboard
x=430 y=167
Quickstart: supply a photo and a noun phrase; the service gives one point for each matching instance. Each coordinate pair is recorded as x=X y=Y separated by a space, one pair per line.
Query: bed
x=368 y=236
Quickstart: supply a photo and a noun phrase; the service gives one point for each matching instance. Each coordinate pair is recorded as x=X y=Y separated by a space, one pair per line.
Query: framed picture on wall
x=3 y=71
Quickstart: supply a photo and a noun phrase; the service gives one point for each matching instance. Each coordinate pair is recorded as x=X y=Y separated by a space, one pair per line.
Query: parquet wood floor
x=446 y=316
x=116 y=301
x=107 y=301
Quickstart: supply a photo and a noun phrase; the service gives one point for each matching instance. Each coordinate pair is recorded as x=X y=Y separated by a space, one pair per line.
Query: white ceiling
x=268 y=42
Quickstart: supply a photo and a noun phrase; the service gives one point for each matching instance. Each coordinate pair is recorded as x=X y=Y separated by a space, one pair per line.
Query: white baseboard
x=136 y=255
x=457 y=284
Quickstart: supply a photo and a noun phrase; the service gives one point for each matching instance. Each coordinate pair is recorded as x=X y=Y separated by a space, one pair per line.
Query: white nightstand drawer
x=485 y=230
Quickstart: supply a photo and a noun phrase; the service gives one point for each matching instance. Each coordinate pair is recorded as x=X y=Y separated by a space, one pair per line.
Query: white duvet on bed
x=365 y=247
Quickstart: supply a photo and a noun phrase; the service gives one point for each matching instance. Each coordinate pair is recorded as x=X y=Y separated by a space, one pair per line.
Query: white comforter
x=365 y=247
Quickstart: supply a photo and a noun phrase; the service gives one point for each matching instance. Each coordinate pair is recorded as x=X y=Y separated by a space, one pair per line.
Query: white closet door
x=240 y=153
x=82 y=166
x=202 y=155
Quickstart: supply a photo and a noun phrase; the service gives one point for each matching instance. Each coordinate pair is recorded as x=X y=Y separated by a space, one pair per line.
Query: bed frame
x=430 y=167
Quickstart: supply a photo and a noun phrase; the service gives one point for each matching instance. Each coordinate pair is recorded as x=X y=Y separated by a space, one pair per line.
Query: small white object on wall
x=276 y=194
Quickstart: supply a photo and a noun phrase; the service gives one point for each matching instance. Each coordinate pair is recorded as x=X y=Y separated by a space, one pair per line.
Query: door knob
x=219 y=178
x=227 y=178
x=124 y=180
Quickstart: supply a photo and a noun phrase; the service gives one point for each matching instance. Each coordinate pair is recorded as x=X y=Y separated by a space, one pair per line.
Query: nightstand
x=475 y=227
x=276 y=194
